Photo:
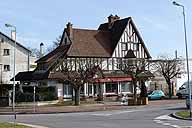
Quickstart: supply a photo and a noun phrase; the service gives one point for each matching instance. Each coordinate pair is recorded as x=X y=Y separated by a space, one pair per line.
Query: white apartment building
x=7 y=59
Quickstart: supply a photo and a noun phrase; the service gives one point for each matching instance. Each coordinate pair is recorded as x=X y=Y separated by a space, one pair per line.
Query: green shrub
x=42 y=94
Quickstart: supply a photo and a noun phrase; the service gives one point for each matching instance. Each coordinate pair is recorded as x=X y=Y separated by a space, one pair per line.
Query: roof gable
x=116 y=30
x=12 y=41
x=53 y=55
x=140 y=38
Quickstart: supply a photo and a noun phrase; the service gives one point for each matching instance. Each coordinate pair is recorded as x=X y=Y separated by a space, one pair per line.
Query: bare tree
x=55 y=44
x=138 y=71
x=34 y=52
x=169 y=69
x=78 y=72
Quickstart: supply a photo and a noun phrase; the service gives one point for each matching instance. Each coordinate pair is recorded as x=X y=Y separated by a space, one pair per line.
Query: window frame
x=6 y=68
x=112 y=89
x=6 y=52
x=124 y=46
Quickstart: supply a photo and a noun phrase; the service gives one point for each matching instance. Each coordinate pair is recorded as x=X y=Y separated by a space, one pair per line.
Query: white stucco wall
x=21 y=59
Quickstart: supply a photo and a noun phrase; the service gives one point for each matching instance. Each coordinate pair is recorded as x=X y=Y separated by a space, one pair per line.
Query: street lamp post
x=14 y=65
x=186 y=50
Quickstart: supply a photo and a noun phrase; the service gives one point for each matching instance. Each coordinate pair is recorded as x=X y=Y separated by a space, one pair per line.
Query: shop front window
x=111 y=87
x=126 y=87
x=90 y=89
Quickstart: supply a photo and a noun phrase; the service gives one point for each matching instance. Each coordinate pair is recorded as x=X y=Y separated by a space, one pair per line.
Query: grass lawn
x=11 y=125
x=184 y=114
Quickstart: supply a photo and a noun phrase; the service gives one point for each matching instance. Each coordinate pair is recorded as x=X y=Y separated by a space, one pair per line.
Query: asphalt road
x=140 y=117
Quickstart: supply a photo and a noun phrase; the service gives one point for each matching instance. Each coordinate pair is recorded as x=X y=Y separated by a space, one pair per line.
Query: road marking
x=100 y=114
x=175 y=126
x=165 y=124
x=165 y=117
x=161 y=119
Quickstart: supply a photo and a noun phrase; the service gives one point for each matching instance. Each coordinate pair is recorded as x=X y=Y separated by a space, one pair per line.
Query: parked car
x=187 y=101
x=156 y=94
x=183 y=90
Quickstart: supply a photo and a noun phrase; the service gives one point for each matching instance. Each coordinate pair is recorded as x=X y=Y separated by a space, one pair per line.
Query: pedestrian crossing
x=165 y=120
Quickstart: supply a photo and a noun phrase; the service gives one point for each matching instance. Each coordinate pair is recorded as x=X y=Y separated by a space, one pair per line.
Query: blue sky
x=159 y=22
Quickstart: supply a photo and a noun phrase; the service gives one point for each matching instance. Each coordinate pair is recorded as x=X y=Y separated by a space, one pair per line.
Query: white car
x=183 y=90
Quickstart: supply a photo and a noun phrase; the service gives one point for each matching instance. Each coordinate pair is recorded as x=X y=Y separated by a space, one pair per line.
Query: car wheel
x=162 y=98
x=179 y=96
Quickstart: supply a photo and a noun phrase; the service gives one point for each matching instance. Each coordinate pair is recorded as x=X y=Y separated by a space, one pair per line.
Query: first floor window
x=6 y=52
x=6 y=67
x=124 y=46
x=111 y=87
x=135 y=46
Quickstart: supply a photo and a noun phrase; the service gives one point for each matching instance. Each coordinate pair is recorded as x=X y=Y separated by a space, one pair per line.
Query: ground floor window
x=126 y=87
x=111 y=87
x=82 y=90
x=90 y=89
x=67 y=90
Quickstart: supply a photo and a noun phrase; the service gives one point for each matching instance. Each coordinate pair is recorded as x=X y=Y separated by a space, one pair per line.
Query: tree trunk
x=169 y=86
x=143 y=89
x=100 y=93
x=170 y=91
x=77 y=96
x=135 y=92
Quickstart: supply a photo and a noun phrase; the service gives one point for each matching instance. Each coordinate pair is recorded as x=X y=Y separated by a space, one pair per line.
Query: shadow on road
x=179 y=108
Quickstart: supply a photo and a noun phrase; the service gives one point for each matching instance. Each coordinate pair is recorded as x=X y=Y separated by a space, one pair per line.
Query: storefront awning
x=112 y=79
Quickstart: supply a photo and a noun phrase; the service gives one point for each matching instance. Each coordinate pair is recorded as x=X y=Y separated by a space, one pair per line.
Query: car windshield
x=186 y=83
x=155 y=92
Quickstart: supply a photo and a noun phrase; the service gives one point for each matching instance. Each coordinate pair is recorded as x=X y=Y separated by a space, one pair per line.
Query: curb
x=178 y=117
x=93 y=110
x=30 y=125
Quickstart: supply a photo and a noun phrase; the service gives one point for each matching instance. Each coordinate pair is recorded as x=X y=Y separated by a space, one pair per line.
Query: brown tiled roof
x=146 y=74
x=59 y=51
x=23 y=76
x=116 y=30
x=90 y=43
x=31 y=75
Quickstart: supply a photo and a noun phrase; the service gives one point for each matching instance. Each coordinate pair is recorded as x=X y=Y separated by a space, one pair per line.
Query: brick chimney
x=70 y=30
x=111 y=20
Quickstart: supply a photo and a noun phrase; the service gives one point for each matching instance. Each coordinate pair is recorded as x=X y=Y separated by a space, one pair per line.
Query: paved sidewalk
x=83 y=107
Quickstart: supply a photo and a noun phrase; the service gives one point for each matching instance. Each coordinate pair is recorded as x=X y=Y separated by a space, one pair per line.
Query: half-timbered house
x=113 y=41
